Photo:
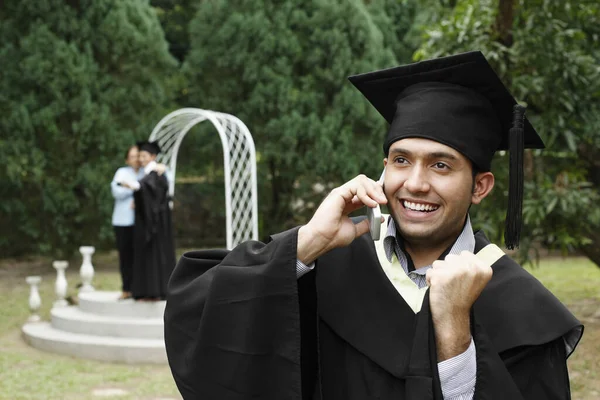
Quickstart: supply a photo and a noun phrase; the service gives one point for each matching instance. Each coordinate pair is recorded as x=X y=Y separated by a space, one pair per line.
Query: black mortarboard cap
x=150 y=147
x=458 y=101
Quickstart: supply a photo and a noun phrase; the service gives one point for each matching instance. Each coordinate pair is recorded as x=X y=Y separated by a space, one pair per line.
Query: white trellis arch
x=239 y=158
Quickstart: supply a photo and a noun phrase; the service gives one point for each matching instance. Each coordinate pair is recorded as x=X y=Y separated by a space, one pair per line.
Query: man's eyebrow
x=399 y=150
x=435 y=154
x=443 y=154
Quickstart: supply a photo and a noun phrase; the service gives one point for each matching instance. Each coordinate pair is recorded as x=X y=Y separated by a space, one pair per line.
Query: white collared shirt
x=465 y=241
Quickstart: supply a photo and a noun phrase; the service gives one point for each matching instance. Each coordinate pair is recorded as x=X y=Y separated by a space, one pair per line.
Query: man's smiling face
x=429 y=187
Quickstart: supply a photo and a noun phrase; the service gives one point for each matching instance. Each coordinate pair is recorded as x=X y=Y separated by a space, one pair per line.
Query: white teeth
x=419 y=206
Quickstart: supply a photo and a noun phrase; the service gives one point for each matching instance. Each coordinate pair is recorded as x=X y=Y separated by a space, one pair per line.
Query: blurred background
x=81 y=80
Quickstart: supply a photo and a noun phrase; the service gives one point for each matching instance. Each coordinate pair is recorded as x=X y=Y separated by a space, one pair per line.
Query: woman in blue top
x=123 y=217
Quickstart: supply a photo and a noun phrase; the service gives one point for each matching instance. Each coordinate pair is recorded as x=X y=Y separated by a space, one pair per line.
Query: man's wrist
x=453 y=335
x=310 y=246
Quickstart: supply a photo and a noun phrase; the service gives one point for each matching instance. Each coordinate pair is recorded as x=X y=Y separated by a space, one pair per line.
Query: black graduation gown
x=239 y=325
x=154 y=250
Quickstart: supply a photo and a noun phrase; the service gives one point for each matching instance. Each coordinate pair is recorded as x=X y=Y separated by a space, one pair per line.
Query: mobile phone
x=374 y=215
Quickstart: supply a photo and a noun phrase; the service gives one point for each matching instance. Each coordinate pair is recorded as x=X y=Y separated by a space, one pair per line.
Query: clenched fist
x=454 y=285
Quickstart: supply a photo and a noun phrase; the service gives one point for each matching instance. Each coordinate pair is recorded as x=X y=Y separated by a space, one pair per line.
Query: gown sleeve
x=540 y=372
x=524 y=373
x=523 y=335
x=232 y=322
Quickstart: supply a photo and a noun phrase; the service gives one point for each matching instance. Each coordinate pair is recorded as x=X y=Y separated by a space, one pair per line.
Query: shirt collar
x=464 y=241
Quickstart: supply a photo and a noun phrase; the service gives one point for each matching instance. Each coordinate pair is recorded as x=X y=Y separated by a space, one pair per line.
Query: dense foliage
x=282 y=69
x=83 y=79
x=80 y=81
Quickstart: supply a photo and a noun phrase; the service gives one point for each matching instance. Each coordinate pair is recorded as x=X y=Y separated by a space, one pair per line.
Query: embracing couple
x=142 y=223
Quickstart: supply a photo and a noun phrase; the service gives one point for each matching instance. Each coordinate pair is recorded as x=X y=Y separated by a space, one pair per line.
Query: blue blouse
x=123 y=212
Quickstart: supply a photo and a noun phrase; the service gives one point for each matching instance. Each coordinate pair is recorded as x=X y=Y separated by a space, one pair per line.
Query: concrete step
x=73 y=319
x=108 y=303
x=43 y=336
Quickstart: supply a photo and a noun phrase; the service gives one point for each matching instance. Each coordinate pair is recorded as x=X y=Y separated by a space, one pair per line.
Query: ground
x=26 y=373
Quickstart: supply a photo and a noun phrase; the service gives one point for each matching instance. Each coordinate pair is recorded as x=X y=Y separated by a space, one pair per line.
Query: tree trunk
x=280 y=214
x=504 y=21
x=528 y=166
x=591 y=156
x=592 y=251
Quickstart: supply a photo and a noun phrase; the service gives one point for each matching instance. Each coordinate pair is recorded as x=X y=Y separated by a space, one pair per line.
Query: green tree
x=81 y=80
x=281 y=67
x=548 y=55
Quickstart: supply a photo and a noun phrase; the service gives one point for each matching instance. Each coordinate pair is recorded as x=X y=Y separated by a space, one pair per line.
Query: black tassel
x=512 y=232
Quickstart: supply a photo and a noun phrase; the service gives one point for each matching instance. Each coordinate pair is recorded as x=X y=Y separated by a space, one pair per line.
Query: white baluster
x=86 y=272
x=60 y=286
x=34 y=297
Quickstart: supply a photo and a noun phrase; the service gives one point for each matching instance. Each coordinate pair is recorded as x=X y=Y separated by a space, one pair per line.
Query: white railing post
x=35 y=302
x=86 y=272
x=60 y=287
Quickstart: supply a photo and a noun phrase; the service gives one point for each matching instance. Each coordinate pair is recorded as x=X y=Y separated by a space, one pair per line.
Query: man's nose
x=416 y=181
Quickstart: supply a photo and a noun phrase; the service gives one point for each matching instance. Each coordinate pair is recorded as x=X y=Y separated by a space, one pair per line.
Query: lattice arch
x=239 y=158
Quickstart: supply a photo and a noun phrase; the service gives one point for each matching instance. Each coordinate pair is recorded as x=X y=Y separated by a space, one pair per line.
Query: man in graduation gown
x=431 y=310
x=154 y=250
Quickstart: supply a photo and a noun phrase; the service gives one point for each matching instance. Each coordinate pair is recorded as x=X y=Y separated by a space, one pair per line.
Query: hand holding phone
x=331 y=225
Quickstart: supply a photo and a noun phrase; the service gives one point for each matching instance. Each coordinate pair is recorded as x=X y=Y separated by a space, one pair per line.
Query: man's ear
x=482 y=186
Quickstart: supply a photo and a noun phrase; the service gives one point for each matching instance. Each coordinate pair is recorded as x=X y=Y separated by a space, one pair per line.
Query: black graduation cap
x=150 y=147
x=458 y=101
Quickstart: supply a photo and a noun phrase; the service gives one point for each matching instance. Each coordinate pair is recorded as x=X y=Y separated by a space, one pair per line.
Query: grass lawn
x=26 y=373
x=576 y=282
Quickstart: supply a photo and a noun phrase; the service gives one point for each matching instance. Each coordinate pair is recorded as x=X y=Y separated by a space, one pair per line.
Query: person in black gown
x=324 y=312
x=154 y=250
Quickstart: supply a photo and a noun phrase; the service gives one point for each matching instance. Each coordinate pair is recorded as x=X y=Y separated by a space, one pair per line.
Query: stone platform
x=103 y=328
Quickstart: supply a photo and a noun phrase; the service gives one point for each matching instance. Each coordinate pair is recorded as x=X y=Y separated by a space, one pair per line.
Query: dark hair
x=129 y=150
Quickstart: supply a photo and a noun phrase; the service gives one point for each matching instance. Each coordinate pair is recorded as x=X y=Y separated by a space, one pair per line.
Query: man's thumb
x=362 y=227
